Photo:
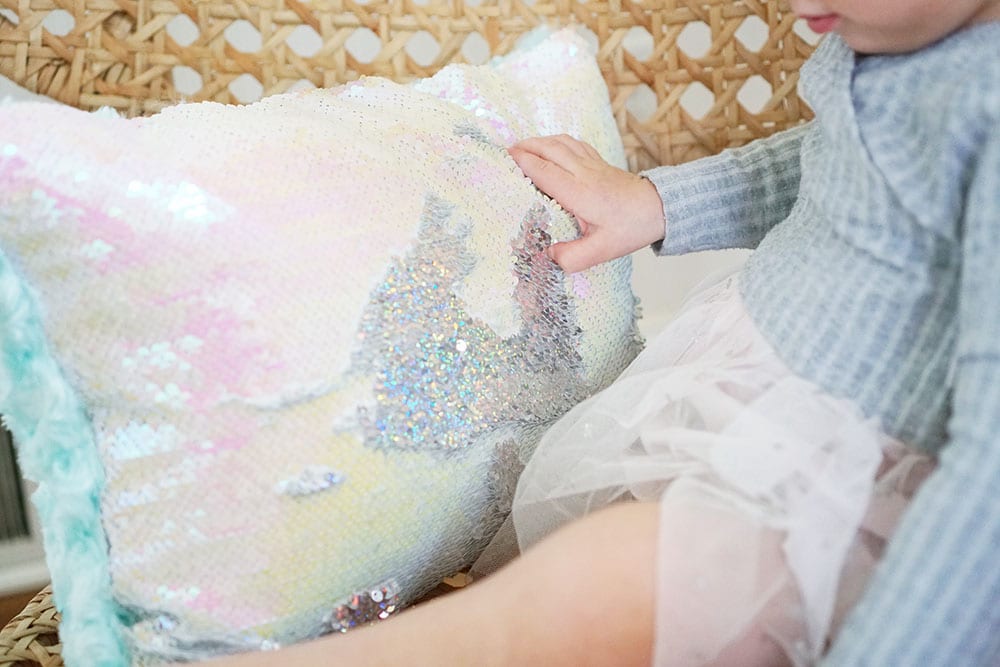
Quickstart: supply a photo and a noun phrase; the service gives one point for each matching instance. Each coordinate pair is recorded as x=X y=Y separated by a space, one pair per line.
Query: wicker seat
x=31 y=638
x=121 y=53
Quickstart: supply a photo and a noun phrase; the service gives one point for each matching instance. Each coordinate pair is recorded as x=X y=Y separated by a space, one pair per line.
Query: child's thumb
x=576 y=255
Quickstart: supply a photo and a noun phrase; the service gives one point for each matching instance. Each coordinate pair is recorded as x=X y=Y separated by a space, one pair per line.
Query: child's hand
x=619 y=212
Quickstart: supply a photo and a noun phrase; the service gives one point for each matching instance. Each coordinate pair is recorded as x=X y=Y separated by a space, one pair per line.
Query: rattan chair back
x=680 y=72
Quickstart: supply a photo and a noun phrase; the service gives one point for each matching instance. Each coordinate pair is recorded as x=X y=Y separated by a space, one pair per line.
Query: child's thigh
x=584 y=595
x=695 y=582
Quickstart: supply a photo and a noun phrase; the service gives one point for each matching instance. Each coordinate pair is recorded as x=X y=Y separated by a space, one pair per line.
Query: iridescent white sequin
x=188 y=204
x=96 y=250
x=312 y=479
x=139 y=440
x=275 y=266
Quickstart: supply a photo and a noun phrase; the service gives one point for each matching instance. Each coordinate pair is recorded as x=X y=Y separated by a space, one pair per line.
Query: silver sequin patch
x=444 y=378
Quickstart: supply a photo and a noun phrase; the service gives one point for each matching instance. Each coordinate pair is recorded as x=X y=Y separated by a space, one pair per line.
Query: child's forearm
x=730 y=200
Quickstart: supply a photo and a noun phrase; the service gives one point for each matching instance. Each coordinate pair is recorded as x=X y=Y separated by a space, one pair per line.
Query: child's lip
x=822 y=24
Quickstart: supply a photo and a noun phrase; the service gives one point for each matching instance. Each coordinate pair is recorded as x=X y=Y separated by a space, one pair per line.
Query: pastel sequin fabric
x=315 y=338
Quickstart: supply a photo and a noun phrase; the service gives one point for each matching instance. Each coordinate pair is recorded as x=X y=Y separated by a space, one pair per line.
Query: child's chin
x=876 y=43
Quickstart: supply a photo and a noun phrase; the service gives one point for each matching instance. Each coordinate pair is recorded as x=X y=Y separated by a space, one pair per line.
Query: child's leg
x=584 y=596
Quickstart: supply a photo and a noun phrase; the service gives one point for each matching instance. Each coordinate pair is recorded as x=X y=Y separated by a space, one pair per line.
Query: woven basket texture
x=675 y=70
x=31 y=637
x=684 y=63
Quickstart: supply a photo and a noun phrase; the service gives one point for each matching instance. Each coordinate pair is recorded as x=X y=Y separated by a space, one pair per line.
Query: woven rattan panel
x=30 y=638
x=120 y=53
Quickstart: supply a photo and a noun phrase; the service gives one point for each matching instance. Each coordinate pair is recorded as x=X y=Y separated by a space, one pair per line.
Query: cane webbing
x=120 y=53
x=31 y=637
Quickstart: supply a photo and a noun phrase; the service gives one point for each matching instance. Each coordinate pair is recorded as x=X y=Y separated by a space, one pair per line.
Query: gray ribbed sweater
x=877 y=275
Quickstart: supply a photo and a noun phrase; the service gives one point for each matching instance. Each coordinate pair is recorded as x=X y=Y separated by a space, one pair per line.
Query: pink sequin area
x=230 y=290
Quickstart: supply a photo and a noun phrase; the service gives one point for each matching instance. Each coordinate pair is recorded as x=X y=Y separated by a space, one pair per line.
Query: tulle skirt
x=776 y=499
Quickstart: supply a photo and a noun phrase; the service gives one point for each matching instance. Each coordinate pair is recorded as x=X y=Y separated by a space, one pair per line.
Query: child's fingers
x=592 y=152
x=576 y=146
x=577 y=255
x=589 y=151
x=550 y=149
x=581 y=149
x=548 y=176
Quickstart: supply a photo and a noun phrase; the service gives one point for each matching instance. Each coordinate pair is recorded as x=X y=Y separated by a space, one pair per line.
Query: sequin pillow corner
x=276 y=367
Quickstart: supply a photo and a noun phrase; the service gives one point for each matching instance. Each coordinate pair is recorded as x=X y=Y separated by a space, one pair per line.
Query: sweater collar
x=825 y=81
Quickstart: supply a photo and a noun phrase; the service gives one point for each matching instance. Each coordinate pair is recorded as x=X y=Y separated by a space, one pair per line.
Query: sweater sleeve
x=732 y=199
x=935 y=599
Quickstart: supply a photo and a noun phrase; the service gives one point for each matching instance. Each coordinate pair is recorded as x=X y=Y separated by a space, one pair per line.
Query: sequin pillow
x=276 y=367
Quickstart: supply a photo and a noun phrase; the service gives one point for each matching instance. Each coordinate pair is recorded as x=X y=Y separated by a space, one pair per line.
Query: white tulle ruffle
x=776 y=499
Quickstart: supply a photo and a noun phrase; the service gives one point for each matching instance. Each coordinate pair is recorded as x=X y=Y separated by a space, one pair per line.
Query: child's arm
x=935 y=599
x=618 y=212
x=729 y=200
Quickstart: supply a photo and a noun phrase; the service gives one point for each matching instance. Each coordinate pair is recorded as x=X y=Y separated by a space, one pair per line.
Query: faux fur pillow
x=276 y=367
